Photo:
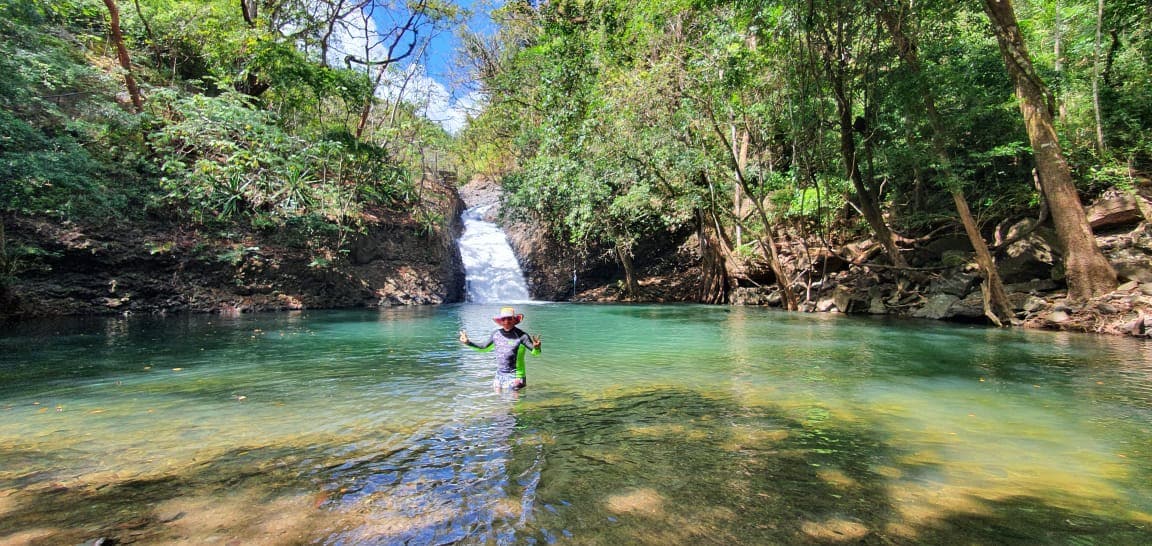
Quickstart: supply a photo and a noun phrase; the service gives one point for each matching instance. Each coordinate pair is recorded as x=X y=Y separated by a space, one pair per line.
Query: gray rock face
x=849 y=301
x=1032 y=257
x=1132 y=264
x=937 y=307
x=957 y=284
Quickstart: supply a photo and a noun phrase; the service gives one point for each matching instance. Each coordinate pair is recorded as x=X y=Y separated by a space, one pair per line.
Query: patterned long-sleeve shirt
x=510 y=346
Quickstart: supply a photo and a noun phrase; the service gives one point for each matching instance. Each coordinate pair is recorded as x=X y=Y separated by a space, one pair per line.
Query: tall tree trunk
x=768 y=246
x=738 y=196
x=624 y=254
x=1096 y=76
x=1058 y=56
x=714 y=260
x=867 y=200
x=833 y=31
x=122 y=55
x=1088 y=271
x=249 y=9
x=997 y=307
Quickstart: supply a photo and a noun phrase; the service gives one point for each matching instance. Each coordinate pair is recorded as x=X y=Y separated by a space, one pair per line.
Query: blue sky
x=443 y=47
x=438 y=62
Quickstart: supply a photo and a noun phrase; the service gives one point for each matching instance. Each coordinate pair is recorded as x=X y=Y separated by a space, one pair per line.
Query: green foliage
x=811 y=203
x=614 y=120
x=619 y=119
x=222 y=158
x=243 y=124
x=66 y=149
x=45 y=175
x=83 y=16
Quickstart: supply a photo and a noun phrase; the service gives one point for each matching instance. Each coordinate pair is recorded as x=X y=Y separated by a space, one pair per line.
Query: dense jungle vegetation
x=760 y=122
x=216 y=114
x=751 y=124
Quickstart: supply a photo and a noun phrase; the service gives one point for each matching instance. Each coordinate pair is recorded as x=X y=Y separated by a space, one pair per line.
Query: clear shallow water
x=640 y=425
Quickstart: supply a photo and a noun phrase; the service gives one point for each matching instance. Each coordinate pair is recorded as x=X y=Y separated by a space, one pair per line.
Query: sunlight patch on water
x=641 y=424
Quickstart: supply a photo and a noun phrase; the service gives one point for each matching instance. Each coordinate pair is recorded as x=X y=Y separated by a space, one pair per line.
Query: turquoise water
x=640 y=425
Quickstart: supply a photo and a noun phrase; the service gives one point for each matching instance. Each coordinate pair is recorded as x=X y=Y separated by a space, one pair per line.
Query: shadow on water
x=652 y=466
x=250 y=496
x=677 y=467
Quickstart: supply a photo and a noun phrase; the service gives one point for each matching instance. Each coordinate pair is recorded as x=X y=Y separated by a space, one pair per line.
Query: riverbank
x=943 y=282
x=161 y=267
x=950 y=294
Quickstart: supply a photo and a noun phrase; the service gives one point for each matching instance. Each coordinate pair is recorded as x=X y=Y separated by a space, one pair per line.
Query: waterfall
x=491 y=272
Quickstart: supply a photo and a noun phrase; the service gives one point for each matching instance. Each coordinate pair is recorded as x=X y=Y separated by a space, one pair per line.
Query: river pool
x=670 y=424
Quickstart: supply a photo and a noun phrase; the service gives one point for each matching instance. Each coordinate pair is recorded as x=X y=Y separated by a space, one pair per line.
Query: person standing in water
x=510 y=344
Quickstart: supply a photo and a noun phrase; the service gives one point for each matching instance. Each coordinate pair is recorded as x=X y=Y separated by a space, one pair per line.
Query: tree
x=996 y=307
x=122 y=54
x=1088 y=272
x=834 y=29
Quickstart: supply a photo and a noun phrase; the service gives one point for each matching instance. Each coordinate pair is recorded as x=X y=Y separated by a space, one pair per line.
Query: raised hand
x=463 y=336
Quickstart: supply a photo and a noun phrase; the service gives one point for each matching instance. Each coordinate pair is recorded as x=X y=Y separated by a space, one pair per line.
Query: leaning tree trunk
x=997 y=308
x=1088 y=271
x=996 y=305
x=122 y=55
x=768 y=247
x=366 y=112
x=864 y=195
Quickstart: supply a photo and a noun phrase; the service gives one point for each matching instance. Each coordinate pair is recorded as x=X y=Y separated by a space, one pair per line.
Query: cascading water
x=491 y=272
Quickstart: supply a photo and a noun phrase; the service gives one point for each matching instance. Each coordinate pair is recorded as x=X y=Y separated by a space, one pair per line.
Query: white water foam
x=491 y=272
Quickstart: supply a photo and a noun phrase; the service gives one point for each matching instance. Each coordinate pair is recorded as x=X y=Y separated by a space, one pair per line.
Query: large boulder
x=937 y=306
x=954 y=243
x=1112 y=211
x=1032 y=256
x=849 y=300
x=1132 y=264
x=970 y=308
x=956 y=283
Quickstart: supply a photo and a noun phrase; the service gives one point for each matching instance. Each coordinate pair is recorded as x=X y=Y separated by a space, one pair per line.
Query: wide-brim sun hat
x=507 y=312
